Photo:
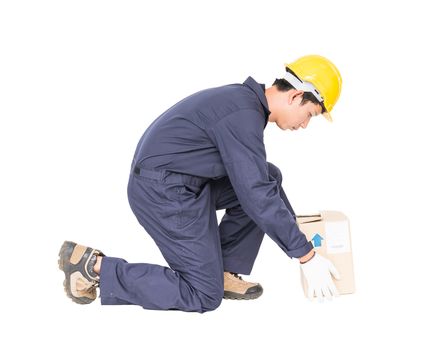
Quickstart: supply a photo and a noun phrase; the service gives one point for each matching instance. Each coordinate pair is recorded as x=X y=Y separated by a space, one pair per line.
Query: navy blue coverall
x=203 y=154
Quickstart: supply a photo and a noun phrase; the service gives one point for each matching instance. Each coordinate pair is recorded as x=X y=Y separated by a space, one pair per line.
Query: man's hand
x=318 y=270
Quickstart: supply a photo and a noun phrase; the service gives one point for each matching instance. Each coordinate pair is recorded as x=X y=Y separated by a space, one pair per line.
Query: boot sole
x=237 y=296
x=64 y=256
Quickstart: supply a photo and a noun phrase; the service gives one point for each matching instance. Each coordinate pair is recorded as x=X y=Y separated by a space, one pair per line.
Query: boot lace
x=237 y=276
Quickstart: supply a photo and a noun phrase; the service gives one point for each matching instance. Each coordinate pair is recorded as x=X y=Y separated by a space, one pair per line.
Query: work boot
x=236 y=288
x=77 y=262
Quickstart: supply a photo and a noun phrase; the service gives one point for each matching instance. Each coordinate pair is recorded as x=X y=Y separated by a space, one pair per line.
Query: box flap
x=331 y=215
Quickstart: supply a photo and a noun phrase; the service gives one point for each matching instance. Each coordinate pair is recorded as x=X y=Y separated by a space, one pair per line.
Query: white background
x=81 y=80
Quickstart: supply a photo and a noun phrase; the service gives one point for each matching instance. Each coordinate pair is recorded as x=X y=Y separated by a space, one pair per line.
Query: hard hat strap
x=303 y=85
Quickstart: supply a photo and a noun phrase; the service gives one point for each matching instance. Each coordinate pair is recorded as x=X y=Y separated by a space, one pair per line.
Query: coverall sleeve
x=239 y=138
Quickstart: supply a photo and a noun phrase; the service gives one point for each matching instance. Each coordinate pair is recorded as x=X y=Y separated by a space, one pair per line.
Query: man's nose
x=305 y=123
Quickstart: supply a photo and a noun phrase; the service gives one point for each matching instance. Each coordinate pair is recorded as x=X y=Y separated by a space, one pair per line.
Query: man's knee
x=211 y=301
x=208 y=285
x=275 y=172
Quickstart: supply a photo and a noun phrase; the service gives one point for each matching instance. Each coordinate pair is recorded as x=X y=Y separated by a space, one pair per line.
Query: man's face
x=292 y=115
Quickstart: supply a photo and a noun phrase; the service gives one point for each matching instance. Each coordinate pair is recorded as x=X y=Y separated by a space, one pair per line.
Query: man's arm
x=239 y=138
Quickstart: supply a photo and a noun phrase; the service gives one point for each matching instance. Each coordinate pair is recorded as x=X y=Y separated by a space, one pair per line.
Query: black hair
x=283 y=85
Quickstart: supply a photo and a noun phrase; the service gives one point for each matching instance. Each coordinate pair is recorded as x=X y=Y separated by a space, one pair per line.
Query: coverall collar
x=259 y=90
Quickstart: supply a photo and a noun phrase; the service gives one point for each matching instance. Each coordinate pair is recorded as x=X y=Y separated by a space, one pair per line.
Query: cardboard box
x=329 y=231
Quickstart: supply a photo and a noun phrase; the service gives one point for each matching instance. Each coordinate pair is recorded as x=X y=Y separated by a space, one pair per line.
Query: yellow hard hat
x=317 y=75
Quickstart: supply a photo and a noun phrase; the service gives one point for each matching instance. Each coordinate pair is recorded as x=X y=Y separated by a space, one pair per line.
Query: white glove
x=317 y=272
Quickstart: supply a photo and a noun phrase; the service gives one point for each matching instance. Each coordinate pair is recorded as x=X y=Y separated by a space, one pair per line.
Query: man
x=203 y=154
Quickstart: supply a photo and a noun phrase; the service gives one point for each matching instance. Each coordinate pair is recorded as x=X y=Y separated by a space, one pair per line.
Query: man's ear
x=294 y=95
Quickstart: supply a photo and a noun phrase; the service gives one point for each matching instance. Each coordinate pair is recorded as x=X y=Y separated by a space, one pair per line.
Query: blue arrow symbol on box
x=317 y=240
